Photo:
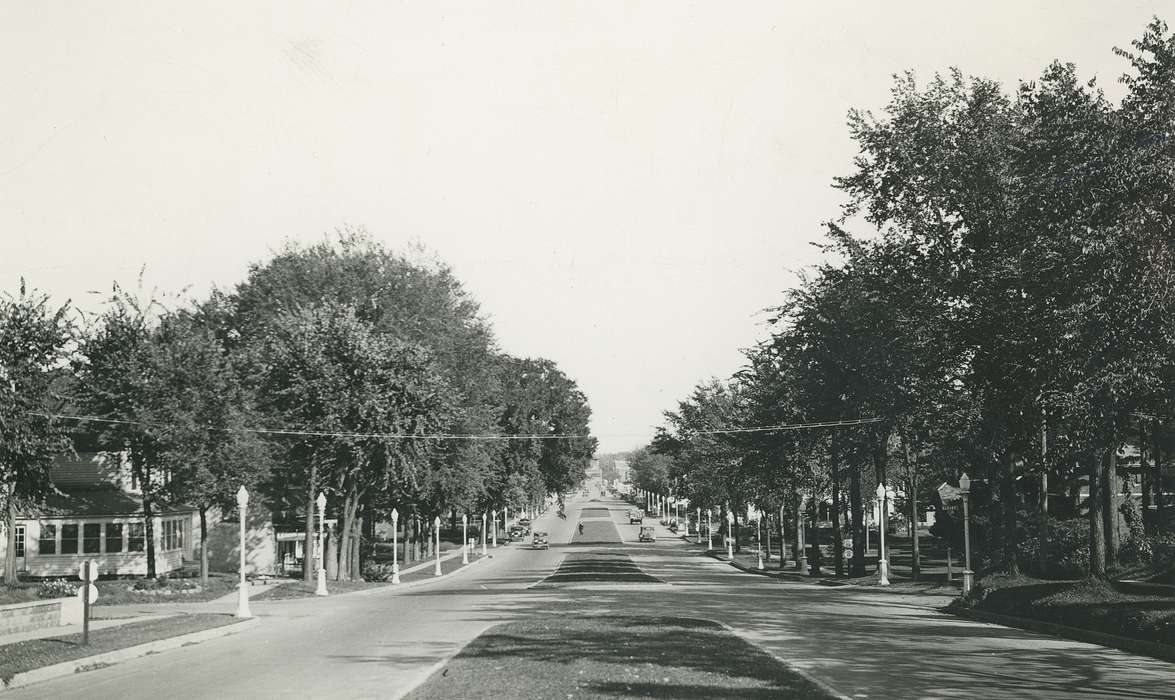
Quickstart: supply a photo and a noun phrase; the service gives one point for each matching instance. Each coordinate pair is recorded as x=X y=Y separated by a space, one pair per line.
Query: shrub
x=1066 y=553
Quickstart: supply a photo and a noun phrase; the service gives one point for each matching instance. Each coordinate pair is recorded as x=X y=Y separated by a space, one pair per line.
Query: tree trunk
x=346 y=536
x=1109 y=495
x=1008 y=500
x=837 y=540
x=308 y=534
x=1097 y=558
x=10 y=534
x=857 y=565
x=1160 y=498
x=912 y=482
x=203 y=546
x=798 y=547
x=149 y=524
x=782 y=523
x=356 y=543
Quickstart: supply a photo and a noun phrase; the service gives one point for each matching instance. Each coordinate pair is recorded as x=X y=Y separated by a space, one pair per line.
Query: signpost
x=88 y=573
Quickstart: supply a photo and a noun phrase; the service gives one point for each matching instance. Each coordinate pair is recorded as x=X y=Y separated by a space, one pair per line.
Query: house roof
x=95 y=502
x=85 y=469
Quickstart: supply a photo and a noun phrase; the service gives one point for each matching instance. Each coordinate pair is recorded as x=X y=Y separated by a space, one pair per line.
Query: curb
x=391 y=587
x=806 y=675
x=1163 y=652
x=776 y=573
x=68 y=668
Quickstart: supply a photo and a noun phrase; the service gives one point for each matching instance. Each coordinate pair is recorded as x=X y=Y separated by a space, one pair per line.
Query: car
x=524 y=523
x=635 y=516
x=647 y=534
x=517 y=533
x=540 y=541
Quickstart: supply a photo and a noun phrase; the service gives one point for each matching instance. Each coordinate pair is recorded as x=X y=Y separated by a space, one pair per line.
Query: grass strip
x=35 y=653
x=575 y=657
x=1094 y=605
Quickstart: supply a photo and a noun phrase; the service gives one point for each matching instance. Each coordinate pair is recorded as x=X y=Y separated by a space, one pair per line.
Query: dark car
x=647 y=534
x=517 y=533
x=524 y=523
x=540 y=541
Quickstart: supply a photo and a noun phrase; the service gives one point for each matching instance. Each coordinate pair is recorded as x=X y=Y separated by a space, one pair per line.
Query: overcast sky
x=623 y=185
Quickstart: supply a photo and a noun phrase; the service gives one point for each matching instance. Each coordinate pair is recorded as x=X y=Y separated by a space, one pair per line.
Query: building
x=96 y=512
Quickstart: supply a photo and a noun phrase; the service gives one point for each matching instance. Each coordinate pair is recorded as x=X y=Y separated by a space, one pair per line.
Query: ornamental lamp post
x=759 y=537
x=699 y=530
x=494 y=529
x=436 y=528
x=464 y=538
x=709 y=529
x=242 y=589
x=968 y=574
x=395 y=547
x=729 y=534
x=882 y=563
x=483 y=533
x=321 y=590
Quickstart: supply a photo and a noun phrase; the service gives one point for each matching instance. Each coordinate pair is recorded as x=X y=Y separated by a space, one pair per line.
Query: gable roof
x=86 y=469
x=98 y=502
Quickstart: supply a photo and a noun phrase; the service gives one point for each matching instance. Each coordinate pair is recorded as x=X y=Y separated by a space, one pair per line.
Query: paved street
x=863 y=643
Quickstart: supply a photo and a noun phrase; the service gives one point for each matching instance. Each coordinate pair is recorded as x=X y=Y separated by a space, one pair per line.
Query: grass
x=575 y=657
x=18 y=593
x=36 y=653
x=1099 y=606
x=301 y=589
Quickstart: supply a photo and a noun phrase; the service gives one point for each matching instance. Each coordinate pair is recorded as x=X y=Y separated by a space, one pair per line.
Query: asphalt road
x=382 y=643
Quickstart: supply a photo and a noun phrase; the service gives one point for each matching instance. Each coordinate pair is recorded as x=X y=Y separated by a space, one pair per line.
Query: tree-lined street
x=860 y=642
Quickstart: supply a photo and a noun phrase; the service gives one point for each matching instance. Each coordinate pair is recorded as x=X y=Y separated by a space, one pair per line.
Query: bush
x=57 y=588
x=376 y=571
x=1066 y=554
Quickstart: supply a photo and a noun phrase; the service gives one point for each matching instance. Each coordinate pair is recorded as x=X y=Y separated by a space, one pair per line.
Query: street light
x=464 y=538
x=882 y=564
x=483 y=533
x=395 y=548
x=699 y=532
x=243 y=591
x=729 y=534
x=709 y=529
x=494 y=513
x=436 y=527
x=968 y=574
x=759 y=537
x=321 y=590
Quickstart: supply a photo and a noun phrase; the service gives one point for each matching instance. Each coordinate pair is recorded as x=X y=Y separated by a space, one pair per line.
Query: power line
x=450 y=436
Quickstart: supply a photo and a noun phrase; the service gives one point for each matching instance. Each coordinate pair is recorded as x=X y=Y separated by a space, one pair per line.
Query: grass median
x=614 y=657
x=24 y=656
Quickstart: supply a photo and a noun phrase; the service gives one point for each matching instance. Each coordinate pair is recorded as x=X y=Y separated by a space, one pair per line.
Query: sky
x=624 y=186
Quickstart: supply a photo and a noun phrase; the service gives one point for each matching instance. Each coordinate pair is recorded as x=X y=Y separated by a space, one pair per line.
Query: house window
x=92 y=538
x=173 y=534
x=135 y=537
x=69 y=538
x=19 y=541
x=113 y=537
x=48 y=542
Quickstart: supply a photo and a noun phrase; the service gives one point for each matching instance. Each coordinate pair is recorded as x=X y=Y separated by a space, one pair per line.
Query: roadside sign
x=948 y=493
x=88 y=571
x=93 y=593
x=848 y=554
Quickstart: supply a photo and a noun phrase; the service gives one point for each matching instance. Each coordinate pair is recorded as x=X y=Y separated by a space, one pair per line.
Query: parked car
x=647 y=534
x=517 y=533
x=540 y=541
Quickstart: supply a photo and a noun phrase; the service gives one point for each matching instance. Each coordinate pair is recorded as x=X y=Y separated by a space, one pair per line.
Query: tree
x=34 y=346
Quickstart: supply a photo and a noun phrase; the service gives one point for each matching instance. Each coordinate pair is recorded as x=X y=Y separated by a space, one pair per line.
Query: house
x=96 y=512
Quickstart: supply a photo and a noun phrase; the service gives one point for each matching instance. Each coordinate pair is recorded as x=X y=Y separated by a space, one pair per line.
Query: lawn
x=35 y=653
x=574 y=657
x=1100 y=606
x=19 y=593
x=172 y=590
x=301 y=589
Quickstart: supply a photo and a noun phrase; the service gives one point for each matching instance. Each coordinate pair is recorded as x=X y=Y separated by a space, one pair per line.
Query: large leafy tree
x=35 y=341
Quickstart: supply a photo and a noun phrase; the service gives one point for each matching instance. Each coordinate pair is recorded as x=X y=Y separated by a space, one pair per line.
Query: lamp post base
x=437 y=570
x=802 y=564
x=395 y=572
x=321 y=590
x=883 y=570
x=760 y=559
x=243 y=601
x=968 y=581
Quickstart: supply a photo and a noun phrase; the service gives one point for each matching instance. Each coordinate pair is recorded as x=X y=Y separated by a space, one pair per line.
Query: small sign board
x=93 y=593
x=848 y=554
x=88 y=571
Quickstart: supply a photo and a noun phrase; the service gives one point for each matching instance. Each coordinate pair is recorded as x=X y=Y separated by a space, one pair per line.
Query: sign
x=93 y=591
x=848 y=554
x=88 y=571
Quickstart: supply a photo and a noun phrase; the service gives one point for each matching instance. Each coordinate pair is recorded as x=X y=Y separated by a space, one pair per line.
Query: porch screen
x=69 y=538
x=113 y=537
x=47 y=544
x=135 y=540
x=92 y=538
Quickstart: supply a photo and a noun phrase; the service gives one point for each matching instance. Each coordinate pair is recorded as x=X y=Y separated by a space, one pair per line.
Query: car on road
x=517 y=533
x=524 y=523
x=635 y=516
x=540 y=541
x=647 y=534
